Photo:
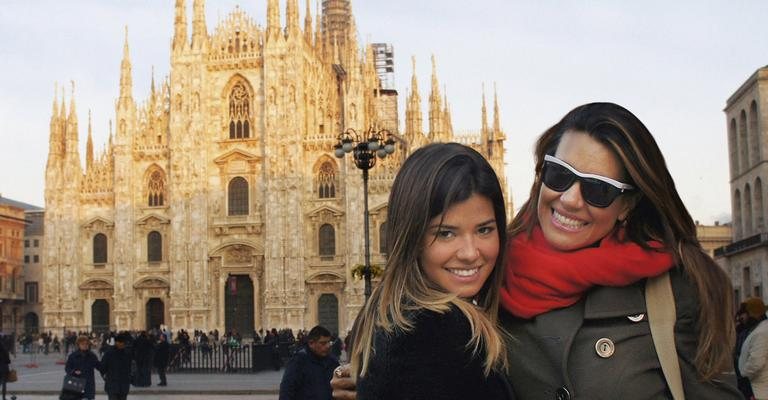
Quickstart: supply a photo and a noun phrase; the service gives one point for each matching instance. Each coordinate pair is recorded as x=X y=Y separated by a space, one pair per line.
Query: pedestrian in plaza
x=5 y=362
x=753 y=359
x=162 y=350
x=81 y=363
x=308 y=374
x=116 y=369
x=143 y=350
x=745 y=324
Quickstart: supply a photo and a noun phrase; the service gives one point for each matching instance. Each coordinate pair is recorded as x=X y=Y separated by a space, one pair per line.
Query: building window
x=156 y=189
x=239 y=112
x=383 y=238
x=30 y=292
x=37 y=243
x=26 y=243
x=327 y=240
x=238 y=196
x=36 y=259
x=26 y=259
x=154 y=247
x=746 y=279
x=326 y=180
x=100 y=249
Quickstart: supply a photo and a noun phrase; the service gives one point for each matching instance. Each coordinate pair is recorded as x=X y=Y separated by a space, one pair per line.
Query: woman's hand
x=342 y=384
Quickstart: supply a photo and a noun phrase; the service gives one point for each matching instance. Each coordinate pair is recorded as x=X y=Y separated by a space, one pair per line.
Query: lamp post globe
x=365 y=150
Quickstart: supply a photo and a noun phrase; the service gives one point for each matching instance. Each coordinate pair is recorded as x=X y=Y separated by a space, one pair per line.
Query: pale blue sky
x=672 y=63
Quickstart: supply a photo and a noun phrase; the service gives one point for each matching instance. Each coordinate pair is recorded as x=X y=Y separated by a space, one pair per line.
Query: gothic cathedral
x=218 y=202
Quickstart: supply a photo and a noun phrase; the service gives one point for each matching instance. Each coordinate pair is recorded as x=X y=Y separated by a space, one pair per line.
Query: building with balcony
x=746 y=259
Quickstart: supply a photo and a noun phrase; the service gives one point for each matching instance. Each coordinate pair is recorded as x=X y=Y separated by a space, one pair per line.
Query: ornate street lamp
x=365 y=150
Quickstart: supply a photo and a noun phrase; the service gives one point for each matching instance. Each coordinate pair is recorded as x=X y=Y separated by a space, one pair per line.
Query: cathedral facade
x=218 y=202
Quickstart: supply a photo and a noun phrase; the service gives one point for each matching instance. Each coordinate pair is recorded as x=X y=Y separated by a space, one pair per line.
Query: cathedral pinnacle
x=292 y=18
x=55 y=101
x=496 y=116
x=199 y=30
x=308 y=25
x=180 y=26
x=72 y=112
x=126 y=81
x=484 y=133
x=89 y=145
x=413 y=116
x=273 y=19
x=436 y=132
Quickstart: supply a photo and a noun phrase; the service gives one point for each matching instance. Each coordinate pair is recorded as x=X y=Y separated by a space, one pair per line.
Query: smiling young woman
x=429 y=329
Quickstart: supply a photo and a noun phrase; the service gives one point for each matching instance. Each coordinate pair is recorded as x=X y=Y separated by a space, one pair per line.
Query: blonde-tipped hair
x=431 y=180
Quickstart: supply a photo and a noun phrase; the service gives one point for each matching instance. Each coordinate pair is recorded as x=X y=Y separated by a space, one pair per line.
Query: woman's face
x=460 y=246
x=567 y=221
x=83 y=346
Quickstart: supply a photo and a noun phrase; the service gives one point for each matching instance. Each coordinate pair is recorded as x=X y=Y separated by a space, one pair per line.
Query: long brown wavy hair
x=430 y=181
x=659 y=214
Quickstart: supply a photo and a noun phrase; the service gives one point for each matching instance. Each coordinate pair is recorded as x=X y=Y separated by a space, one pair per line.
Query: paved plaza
x=44 y=382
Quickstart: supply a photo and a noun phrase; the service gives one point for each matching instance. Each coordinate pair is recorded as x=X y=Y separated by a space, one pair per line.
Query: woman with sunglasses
x=603 y=217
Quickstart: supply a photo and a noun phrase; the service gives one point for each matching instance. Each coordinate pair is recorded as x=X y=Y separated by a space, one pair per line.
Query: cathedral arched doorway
x=328 y=312
x=155 y=313
x=238 y=304
x=100 y=316
x=31 y=323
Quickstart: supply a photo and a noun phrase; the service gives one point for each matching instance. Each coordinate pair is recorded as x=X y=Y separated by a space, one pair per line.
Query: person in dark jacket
x=116 y=369
x=81 y=363
x=143 y=350
x=5 y=361
x=308 y=374
x=162 y=349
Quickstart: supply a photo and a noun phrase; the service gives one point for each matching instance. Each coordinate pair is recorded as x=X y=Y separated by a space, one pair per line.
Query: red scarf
x=540 y=278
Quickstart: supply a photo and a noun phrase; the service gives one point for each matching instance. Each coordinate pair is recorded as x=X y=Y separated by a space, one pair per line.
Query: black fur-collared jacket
x=431 y=362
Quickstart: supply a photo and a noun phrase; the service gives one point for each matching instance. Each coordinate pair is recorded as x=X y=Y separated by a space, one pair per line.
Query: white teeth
x=464 y=272
x=569 y=222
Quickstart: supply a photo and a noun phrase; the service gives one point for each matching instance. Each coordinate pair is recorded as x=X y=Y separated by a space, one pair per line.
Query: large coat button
x=636 y=318
x=562 y=394
x=605 y=347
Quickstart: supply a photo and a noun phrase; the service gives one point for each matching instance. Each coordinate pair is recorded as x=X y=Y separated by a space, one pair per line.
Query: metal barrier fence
x=222 y=358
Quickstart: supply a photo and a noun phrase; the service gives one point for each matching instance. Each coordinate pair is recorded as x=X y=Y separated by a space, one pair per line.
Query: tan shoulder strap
x=661 y=317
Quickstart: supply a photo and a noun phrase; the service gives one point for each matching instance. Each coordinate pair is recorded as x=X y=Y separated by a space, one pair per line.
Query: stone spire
x=89 y=145
x=126 y=81
x=62 y=109
x=56 y=139
x=447 y=119
x=180 y=26
x=152 y=93
x=55 y=111
x=273 y=19
x=435 y=107
x=292 y=18
x=497 y=133
x=199 y=30
x=72 y=117
x=413 y=117
x=484 y=132
x=72 y=165
x=318 y=32
x=308 y=25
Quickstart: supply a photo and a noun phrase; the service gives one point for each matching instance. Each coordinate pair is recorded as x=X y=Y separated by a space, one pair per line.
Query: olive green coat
x=555 y=356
